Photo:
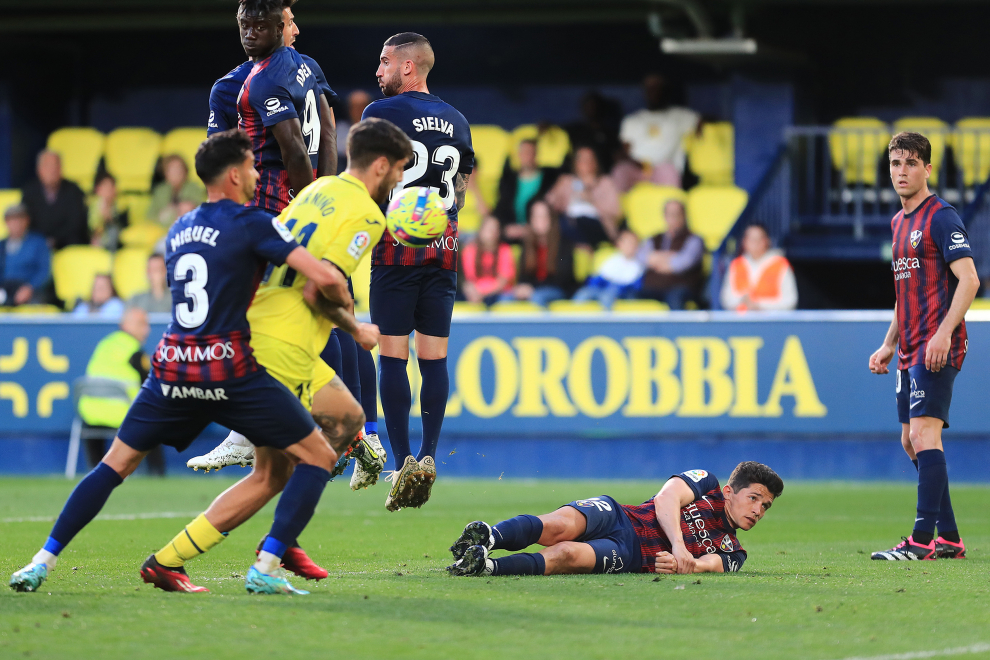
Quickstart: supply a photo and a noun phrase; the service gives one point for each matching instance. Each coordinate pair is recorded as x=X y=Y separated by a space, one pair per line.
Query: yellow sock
x=197 y=537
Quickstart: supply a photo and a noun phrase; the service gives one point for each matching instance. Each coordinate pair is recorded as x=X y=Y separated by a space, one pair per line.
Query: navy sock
x=396 y=401
x=369 y=389
x=433 y=403
x=517 y=533
x=946 y=522
x=82 y=506
x=331 y=354
x=524 y=563
x=933 y=481
x=295 y=507
x=349 y=363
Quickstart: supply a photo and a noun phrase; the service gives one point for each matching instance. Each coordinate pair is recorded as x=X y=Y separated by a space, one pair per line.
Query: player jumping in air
x=336 y=219
x=935 y=281
x=413 y=289
x=203 y=370
x=689 y=527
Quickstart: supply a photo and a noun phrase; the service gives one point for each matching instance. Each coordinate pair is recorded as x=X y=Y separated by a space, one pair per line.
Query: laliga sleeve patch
x=695 y=475
x=282 y=230
x=359 y=244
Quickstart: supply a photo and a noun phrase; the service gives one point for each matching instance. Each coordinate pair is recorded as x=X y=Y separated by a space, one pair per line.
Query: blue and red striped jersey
x=223 y=95
x=278 y=88
x=441 y=140
x=926 y=241
x=215 y=257
x=704 y=525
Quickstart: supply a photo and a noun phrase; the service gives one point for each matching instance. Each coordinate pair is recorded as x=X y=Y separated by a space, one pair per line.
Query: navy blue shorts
x=923 y=393
x=407 y=298
x=611 y=534
x=257 y=406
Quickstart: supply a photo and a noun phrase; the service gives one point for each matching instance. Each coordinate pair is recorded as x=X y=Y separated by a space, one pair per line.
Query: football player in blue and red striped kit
x=413 y=289
x=204 y=371
x=935 y=280
x=688 y=527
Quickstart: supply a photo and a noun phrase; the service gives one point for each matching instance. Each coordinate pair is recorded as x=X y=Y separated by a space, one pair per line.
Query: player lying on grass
x=689 y=527
x=204 y=370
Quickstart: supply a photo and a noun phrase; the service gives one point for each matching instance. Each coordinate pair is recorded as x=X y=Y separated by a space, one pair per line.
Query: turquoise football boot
x=29 y=578
x=257 y=582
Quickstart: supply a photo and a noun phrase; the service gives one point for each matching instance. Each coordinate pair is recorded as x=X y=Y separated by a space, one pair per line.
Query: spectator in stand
x=760 y=278
x=57 y=207
x=598 y=128
x=619 y=276
x=25 y=261
x=673 y=260
x=176 y=195
x=654 y=139
x=546 y=269
x=158 y=297
x=489 y=267
x=588 y=202
x=517 y=189
x=106 y=221
x=103 y=303
x=357 y=101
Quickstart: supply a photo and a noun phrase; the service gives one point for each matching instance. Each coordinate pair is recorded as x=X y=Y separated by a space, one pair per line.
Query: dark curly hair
x=262 y=7
x=748 y=473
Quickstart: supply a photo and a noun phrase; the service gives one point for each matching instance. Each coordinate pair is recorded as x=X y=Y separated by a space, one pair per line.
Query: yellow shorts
x=292 y=366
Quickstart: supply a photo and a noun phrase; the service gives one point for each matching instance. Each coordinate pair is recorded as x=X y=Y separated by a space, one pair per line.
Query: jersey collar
x=353 y=179
x=920 y=206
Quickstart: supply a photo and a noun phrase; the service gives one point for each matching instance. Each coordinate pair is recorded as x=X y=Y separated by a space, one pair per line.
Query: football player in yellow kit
x=338 y=219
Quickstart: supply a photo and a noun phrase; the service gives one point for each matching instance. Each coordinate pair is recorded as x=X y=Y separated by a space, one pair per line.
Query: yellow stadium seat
x=712 y=154
x=461 y=307
x=185 y=142
x=552 y=144
x=856 y=144
x=644 y=205
x=576 y=307
x=980 y=304
x=75 y=267
x=491 y=148
x=937 y=132
x=361 y=281
x=136 y=205
x=639 y=306
x=142 y=235
x=582 y=265
x=131 y=156
x=469 y=217
x=81 y=150
x=515 y=307
x=36 y=309
x=8 y=197
x=713 y=210
x=971 y=148
x=130 y=272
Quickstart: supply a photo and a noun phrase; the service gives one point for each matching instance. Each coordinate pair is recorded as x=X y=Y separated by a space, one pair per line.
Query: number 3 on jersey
x=444 y=156
x=191 y=268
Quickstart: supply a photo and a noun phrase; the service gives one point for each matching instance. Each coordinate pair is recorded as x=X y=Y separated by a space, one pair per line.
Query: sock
x=369 y=389
x=349 y=363
x=433 y=403
x=236 y=438
x=946 y=521
x=331 y=354
x=295 y=508
x=915 y=461
x=517 y=533
x=82 y=506
x=524 y=563
x=46 y=558
x=197 y=537
x=933 y=480
x=396 y=401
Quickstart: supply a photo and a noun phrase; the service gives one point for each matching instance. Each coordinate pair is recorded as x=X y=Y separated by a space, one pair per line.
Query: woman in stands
x=546 y=269
x=176 y=195
x=588 y=202
x=488 y=264
x=103 y=302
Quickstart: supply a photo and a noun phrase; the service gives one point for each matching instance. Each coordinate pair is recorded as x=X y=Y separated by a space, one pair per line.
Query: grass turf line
x=808 y=589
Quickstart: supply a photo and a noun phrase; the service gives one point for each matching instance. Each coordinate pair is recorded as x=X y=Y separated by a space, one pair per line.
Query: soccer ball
x=416 y=217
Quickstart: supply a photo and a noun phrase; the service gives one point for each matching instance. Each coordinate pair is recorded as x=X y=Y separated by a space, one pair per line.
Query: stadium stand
x=552 y=144
x=937 y=132
x=515 y=307
x=8 y=197
x=73 y=271
x=464 y=307
x=711 y=155
x=491 y=148
x=576 y=307
x=142 y=235
x=80 y=149
x=185 y=142
x=856 y=144
x=131 y=155
x=643 y=207
x=130 y=272
x=970 y=142
x=712 y=211
x=639 y=306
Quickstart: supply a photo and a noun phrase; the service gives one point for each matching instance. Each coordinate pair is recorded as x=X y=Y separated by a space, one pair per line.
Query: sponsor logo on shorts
x=616 y=564
x=218 y=351
x=915 y=238
x=594 y=503
x=696 y=475
x=733 y=566
x=185 y=392
x=359 y=244
x=726 y=544
x=915 y=392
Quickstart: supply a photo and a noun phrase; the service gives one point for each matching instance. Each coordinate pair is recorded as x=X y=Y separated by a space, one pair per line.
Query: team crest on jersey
x=359 y=244
x=726 y=544
x=696 y=475
x=282 y=230
x=915 y=238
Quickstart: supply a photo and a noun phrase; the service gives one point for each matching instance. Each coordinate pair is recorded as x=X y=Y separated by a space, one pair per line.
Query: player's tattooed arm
x=460 y=188
x=327 y=162
x=295 y=155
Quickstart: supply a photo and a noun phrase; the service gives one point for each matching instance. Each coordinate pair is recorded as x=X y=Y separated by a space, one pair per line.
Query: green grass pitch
x=808 y=589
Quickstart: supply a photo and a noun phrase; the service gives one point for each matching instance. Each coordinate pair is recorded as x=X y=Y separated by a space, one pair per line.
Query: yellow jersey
x=336 y=219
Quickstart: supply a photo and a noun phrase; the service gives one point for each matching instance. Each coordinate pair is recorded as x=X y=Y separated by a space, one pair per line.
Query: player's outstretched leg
x=366 y=473
x=86 y=500
x=234 y=450
x=404 y=481
x=512 y=534
x=433 y=402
